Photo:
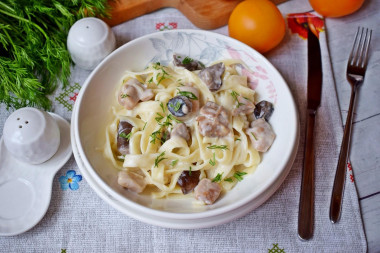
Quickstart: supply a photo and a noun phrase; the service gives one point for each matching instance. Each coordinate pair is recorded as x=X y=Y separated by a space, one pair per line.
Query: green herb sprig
x=235 y=96
x=188 y=94
x=126 y=136
x=239 y=175
x=159 y=158
x=217 y=147
x=212 y=161
x=34 y=59
x=217 y=178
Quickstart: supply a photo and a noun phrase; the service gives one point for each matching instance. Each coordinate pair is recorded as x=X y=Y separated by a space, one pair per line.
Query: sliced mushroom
x=187 y=62
x=207 y=191
x=193 y=94
x=213 y=120
x=180 y=106
x=212 y=76
x=181 y=130
x=124 y=128
x=263 y=109
x=188 y=181
x=132 y=92
x=132 y=181
x=261 y=135
x=245 y=106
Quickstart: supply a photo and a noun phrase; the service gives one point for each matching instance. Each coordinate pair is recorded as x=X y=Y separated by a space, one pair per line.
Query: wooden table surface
x=365 y=142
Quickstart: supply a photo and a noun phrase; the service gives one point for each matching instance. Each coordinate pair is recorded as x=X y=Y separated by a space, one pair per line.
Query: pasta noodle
x=157 y=154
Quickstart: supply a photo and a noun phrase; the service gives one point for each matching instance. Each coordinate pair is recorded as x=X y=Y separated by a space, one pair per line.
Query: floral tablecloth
x=79 y=221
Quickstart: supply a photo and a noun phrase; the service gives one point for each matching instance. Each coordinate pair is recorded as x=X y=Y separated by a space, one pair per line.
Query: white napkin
x=79 y=221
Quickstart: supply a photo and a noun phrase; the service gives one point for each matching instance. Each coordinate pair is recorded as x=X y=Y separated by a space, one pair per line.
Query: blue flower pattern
x=70 y=181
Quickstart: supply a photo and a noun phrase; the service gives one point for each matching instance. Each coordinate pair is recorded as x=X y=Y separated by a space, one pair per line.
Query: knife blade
x=314 y=93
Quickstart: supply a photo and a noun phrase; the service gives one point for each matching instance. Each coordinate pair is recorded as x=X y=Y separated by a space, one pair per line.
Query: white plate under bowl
x=177 y=223
x=97 y=95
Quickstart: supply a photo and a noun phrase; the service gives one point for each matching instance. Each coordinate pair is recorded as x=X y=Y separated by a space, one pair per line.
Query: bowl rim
x=202 y=214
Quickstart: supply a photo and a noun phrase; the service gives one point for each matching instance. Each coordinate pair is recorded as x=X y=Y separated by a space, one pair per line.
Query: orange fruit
x=336 y=8
x=257 y=23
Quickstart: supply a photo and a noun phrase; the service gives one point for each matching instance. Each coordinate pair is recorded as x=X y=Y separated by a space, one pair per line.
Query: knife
x=314 y=91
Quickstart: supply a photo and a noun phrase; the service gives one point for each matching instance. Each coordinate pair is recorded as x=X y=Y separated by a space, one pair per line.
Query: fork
x=356 y=68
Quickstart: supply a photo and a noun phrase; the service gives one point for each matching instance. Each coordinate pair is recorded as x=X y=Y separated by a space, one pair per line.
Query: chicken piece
x=187 y=62
x=207 y=191
x=188 y=181
x=261 y=135
x=124 y=128
x=212 y=76
x=181 y=131
x=245 y=106
x=213 y=120
x=132 y=92
x=132 y=181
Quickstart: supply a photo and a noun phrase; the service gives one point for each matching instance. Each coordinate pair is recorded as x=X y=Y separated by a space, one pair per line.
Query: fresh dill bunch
x=33 y=55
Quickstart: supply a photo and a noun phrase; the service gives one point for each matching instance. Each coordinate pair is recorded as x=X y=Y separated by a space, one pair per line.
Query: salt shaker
x=89 y=41
x=31 y=135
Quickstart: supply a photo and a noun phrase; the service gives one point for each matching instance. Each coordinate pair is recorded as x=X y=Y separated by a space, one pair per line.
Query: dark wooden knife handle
x=306 y=207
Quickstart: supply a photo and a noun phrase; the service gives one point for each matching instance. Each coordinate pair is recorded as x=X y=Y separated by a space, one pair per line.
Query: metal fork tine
x=351 y=57
x=363 y=37
x=359 y=48
x=366 y=48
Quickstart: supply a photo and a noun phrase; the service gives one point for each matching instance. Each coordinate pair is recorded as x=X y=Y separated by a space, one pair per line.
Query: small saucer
x=25 y=189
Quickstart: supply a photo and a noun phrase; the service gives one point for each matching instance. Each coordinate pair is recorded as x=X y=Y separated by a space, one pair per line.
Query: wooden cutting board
x=205 y=14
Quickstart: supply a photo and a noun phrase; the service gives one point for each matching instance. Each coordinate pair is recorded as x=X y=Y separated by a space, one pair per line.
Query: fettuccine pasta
x=174 y=128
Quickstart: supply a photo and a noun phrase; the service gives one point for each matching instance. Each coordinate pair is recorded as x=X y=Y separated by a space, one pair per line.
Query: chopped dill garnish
x=187 y=60
x=159 y=158
x=187 y=94
x=174 y=162
x=167 y=122
x=144 y=126
x=239 y=175
x=164 y=137
x=212 y=161
x=254 y=136
x=237 y=139
x=162 y=107
x=126 y=136
x=154 y=136
x=235 y=95
x=171 y=117
x=175 y=107
x=217 y=178
x=162 y=75
x=190 y=171
x=150 y=80
x=228 y=179
x=159 y=117
x=217 y=147
x=124 y=95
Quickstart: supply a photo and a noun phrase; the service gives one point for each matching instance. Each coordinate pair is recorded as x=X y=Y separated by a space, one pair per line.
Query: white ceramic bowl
x=93 y=111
